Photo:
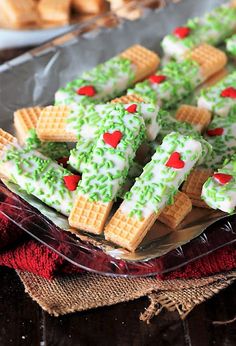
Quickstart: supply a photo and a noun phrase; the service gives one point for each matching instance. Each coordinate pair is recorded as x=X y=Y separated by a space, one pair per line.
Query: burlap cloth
x=83 y=292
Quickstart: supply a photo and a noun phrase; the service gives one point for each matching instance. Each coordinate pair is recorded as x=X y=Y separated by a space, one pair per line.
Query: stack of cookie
x=124 y=132
x=45 y=13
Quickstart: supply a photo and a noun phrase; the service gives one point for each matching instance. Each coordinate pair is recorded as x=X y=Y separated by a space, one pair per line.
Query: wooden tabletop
x=23 y=322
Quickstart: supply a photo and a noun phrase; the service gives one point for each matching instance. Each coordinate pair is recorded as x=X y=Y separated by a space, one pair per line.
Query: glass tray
x=91 y=258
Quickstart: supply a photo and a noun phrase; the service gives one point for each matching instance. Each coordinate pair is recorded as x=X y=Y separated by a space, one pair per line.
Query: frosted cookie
x=74 y=122
x=110 y=79
x=231 y=45
x=120 y=136
x=25 y=122
x=219 y=191
x=220 y=98
x=153 y=190
x=170 y=124
x=177 y=80
x=221 y=134
x=212 y=28
x=37 y=174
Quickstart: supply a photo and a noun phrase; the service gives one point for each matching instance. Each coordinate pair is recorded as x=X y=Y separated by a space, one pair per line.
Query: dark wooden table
x=23 y=322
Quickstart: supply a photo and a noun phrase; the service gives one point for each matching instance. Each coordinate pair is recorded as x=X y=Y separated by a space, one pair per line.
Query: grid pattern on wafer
x=145 y=60
x=89 y=216
x=128 y=99
x=26 y=119
x=174 y=214
x=5 y=138
x=193 y=186
x=128 y=232
x=210 y=59
x=198 y=117
x=51 y=125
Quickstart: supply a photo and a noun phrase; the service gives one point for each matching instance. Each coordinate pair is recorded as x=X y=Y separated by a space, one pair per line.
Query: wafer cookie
x=37 y=174
x=120 y=136
x=153 y=190
x=210 y=59
x=145 y=61
x=57 y=11
x=212 y=28
x=52 y=125
x=192 y=187
x=199 y=118
x=177 y=80
x=220 y=98
x=5 y=139
x=219 y=191
x=110 y=79
x=26 y=119
x=19 y=13
x=172 y=215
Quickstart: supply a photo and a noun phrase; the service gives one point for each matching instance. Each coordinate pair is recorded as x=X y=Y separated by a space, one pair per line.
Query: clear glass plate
x=91 y=258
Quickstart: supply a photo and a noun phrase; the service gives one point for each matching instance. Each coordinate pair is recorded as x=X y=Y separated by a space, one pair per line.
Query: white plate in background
x=23 y=38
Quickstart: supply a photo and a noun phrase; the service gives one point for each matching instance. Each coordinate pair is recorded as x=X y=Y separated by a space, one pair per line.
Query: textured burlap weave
x=83 y=292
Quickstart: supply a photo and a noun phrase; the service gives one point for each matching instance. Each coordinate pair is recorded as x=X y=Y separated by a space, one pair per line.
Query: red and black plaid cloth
x=20 y=251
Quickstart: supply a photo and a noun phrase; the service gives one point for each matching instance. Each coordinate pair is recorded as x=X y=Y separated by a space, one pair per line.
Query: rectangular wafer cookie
x=175 y=213
x=192 y=187
x=199 y=118
x=26 y=119
x=52 y=124
x=210 y=59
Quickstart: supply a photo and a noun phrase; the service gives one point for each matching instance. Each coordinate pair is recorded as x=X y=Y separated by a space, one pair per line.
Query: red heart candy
x=229 y=92
x=222 y=178
x=113 y=139
x=71 y=181
x=182 y=31
x=63 y=161
x=218 y=131
x=157 y=79
x=175 y=161
x=132 y=108
x=87 y=90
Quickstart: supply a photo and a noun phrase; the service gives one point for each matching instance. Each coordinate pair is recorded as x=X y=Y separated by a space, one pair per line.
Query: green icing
x=212 y=28
x=108 y=167
x=216 y=103
x=231 y=45
x=224 y=145
x=38 y=175
x=218 y=195
x=153 y=191
x=109 y=79
x=50 y=149
x=182 y=79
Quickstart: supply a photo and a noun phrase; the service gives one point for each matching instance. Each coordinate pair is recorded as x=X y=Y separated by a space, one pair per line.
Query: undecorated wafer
x=52 y=124
x=210 y=59
x=175 y=213
x=193 y=186
x=26 y=119
x=198 y=117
